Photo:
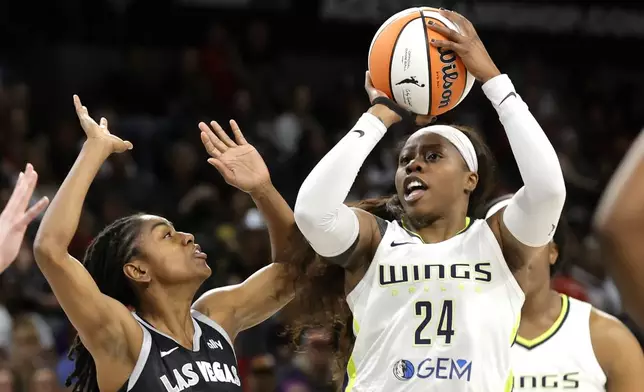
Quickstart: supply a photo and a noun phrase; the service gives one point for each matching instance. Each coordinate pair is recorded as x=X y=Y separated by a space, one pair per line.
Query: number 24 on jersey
x=426 y=310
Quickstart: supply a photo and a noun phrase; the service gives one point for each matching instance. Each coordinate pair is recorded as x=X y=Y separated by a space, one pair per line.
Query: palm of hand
x=99 y=132
x=244 y=168
x=16 y=216
x=11 y=236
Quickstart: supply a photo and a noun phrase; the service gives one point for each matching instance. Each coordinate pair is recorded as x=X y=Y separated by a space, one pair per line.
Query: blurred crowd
x=293 y=107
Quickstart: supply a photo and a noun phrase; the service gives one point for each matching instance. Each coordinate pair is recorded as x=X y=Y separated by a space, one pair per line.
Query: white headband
x=459 y=140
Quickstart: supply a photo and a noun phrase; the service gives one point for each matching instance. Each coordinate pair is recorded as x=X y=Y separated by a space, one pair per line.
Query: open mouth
x=198 y=253
x=414 y=188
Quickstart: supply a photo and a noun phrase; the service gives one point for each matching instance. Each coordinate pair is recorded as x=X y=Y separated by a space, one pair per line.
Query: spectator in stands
x=262 y=376
x=311 y=368
x=7 y=380
x=44 y=380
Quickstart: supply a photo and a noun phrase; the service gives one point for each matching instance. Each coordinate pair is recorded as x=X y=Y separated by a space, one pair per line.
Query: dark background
x=291 y=73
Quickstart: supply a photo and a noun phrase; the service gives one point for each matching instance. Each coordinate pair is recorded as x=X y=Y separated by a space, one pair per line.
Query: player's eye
x=432 y=157
x=168 y=235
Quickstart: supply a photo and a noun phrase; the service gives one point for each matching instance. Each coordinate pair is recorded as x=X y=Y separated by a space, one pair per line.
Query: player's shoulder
x=605 y=325
x=606 y=330
x=618 y=352
x=607 y=333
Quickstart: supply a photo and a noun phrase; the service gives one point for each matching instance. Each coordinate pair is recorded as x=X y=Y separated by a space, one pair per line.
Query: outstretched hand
x=15 y=217
x=467 y=45
x=238 y=162
x=99 y=133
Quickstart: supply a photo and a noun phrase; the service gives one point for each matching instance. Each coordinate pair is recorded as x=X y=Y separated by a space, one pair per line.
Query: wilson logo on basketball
x=405 y=66
x=449 y=73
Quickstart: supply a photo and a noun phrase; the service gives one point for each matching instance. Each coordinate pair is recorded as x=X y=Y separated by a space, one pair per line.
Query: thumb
x=425 y=120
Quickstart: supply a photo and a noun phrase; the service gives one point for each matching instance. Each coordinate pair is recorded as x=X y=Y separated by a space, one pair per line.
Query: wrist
x=497 y=89
x=97 y=147
x=387 y=116
x=491 y=75
x=262 y=190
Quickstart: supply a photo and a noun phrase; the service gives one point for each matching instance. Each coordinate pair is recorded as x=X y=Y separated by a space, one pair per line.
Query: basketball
x=419 y=77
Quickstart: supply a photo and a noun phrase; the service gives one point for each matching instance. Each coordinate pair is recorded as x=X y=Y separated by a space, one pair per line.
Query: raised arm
x=260 y=296
x=104 y=325
x=14 y=219
x=531 y=217
x=619 y=222
x=342 y=235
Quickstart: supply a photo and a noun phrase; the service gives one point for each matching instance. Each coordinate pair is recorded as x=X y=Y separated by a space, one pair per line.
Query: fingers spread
x=22 y=192
x=445 y=31
x=210 y=148
x=239 y=136
x=18 y=193
x=77 y=104
x=211 y=141
x=464 y=25
x=31 y=178
x=221 y=134
x=33 y=212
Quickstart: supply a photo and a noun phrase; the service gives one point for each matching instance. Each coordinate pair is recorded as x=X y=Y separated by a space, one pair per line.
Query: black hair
x=104 y=259
x=560 y=238
x=486 y=169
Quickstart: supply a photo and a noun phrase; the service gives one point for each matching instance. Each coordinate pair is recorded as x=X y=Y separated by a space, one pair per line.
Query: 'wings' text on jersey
x=434 y=317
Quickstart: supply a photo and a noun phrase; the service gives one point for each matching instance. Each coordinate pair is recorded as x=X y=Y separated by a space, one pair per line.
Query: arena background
x=290 y=72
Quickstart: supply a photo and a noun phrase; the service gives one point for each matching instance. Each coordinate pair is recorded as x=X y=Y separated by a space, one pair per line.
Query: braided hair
x=114 y=246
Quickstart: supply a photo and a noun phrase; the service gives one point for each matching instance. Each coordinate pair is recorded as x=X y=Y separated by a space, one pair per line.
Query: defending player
x=142 y=263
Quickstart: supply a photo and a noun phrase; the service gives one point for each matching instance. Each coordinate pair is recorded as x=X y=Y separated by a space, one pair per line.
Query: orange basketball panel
x=382 y=51
x=449 y=75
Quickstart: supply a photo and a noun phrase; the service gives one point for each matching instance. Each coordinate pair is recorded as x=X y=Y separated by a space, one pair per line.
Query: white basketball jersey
x=435 y=317
x=562 y=358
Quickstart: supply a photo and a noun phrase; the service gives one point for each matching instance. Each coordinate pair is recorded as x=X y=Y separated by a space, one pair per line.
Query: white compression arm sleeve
x=533 y=212
x=320 y=213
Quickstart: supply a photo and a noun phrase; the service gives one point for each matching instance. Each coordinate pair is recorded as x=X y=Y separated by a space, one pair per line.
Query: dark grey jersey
x=165 y=365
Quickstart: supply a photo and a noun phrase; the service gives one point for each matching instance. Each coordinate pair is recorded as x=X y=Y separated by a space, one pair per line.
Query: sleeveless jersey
x=434 y=317
x=166 y=366
x=562 y=358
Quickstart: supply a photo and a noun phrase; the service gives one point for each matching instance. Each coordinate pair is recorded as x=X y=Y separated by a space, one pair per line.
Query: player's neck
x=543 y=305
x=443 y=229
x=170 y=315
